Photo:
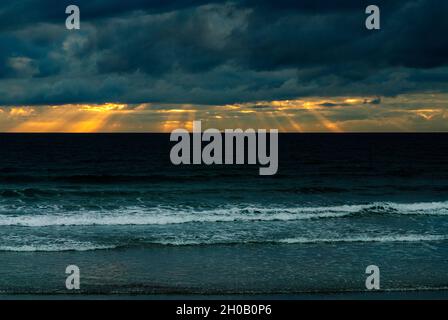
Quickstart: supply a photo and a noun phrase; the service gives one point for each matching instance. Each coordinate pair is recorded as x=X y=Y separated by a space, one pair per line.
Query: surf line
x=232 y=151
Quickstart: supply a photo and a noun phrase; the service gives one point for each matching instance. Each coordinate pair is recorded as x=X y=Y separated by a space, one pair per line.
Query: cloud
x=332 y=104
x=22 y=66
x=209 y=52
x=373 y=101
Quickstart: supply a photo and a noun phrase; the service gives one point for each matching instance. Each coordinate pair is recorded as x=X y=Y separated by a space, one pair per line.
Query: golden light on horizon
x=314 y=114
x=103 y=108
x=114 y=117
x=21 y=112
x=64 y=120
x=175 y=111
x=353 y=100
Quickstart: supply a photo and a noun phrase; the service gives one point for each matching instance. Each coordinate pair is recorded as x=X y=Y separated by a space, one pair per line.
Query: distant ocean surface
x=114 y=205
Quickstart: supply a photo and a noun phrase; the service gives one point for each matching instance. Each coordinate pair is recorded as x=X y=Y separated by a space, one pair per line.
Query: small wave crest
x=304 y=240
x=53 y=248
x=54 y=215
x=41 y=244
x=62 y=245
x=383 y=239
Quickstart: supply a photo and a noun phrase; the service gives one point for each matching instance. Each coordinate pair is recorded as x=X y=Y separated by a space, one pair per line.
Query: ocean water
x=114 y=205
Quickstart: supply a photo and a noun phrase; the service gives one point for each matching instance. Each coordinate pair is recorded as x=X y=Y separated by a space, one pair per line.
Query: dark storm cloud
x=373 y=101
x=332 y=104
x=212 y=52
x=260 y=107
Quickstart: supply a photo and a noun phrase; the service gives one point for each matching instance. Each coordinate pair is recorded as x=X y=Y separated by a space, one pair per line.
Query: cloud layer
x=210 y=52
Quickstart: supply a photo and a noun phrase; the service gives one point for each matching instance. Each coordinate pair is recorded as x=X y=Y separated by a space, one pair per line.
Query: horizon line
x=280 y=132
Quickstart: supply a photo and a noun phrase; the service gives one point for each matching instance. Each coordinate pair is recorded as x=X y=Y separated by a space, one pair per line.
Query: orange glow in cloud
x=337 y=114
x=75 y=119
x=21 y=112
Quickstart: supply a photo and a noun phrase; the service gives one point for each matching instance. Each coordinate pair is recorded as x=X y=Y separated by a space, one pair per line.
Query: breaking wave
x=42 y=216
x=71 y=245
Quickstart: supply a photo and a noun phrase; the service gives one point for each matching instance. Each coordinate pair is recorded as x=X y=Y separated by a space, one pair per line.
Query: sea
x=135 y=224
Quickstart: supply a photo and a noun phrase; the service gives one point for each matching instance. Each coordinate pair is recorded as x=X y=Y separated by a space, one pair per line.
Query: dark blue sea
x=114 y=205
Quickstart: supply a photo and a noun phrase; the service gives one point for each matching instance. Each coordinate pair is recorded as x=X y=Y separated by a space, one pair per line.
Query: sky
x=155 y=66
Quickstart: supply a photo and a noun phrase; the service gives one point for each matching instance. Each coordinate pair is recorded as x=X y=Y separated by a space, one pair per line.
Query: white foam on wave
x=310 y=240
x=136 y=215
x=42 y=245
x=389 y=238
x=68 y=245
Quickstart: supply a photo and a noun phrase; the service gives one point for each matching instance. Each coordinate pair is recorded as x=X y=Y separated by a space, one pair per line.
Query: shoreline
x=288 y=272
x=379 y=295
